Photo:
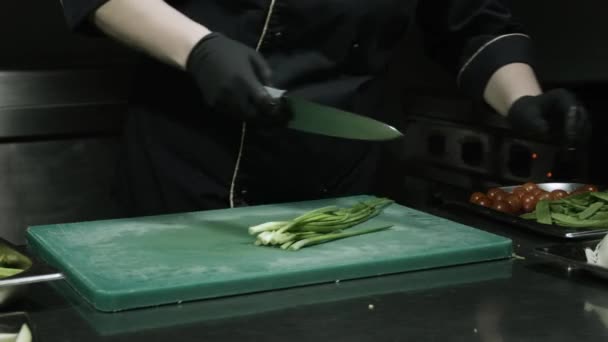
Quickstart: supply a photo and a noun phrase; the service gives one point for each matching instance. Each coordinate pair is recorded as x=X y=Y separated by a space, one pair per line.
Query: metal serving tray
x=572 y=255
x=11 y=288
x=544 y=229
x=569 y=187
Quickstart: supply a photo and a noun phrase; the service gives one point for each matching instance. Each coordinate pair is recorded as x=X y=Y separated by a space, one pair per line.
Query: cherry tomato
x=502 y=206
x=476 y=196
x=493 y=192
x=537 y=191
x=529 y=186
x=558 y=194
x=543 y=196
x=588 y=188
x=528 y=207
x=519 y=192
x=485 y=202
x=529 y=201
x=500 y=196
x=515 y=202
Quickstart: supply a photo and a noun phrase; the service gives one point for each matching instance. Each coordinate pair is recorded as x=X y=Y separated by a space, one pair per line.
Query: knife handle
x=275 y=93
x=279 y=107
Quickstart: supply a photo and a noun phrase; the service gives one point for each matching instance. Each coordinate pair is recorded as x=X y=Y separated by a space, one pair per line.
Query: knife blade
x=315 y=118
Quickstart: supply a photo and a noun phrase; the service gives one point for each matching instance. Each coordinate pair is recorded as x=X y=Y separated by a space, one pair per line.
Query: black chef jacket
x=180 y=156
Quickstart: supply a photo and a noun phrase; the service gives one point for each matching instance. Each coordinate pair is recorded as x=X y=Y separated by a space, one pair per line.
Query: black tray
x=531 y=225
x=545 y=229
x=572 y=255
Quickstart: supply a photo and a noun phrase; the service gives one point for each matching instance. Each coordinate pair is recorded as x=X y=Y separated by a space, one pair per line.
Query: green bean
x=600 y=215
x=529 y=216
x=590 y=211
x=573 y=222
x=543 y=213
x=586 y=210
x=601 y=195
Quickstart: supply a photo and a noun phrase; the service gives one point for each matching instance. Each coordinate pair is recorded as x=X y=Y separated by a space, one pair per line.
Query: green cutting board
x=196 y=312
x=137 y=262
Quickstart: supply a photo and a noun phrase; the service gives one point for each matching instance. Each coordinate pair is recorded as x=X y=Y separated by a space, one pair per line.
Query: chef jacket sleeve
x=78 y=12
x=473 y=38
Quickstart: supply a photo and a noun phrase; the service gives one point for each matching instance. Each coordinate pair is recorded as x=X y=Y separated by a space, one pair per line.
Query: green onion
x=315 y=240
x=268 y=226
x=319 y=225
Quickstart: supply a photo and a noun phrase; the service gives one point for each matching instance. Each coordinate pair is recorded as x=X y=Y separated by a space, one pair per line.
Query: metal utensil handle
x=32 y=279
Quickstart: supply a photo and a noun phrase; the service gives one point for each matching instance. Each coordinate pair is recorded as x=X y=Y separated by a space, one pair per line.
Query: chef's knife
x=314 y=118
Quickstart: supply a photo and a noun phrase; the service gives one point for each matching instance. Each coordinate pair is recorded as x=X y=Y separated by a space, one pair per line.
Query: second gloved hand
x=555 y=115
x=231 y=77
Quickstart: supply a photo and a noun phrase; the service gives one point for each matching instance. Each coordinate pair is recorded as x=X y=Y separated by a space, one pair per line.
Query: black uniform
x=180 y=156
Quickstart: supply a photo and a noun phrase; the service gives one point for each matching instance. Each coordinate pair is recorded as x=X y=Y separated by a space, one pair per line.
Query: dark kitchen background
x=62 y=100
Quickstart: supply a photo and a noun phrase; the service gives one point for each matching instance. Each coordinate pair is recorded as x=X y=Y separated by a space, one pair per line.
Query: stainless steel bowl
x=569 y=187
x=34 y=271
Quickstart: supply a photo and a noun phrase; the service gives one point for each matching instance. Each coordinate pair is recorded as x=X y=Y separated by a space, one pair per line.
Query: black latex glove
x=555 y=115
x=231 y=77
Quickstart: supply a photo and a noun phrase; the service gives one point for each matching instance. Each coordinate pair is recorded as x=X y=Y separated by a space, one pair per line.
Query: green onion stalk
x=319 y=225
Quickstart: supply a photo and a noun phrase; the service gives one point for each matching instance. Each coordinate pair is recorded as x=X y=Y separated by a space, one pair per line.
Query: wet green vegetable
x=586 y=210
x=7 y=272
x=320 y=225
x=11 y=262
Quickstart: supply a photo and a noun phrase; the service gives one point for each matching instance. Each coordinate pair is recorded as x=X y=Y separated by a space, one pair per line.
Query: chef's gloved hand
x=231 y=77
x=555 y=115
